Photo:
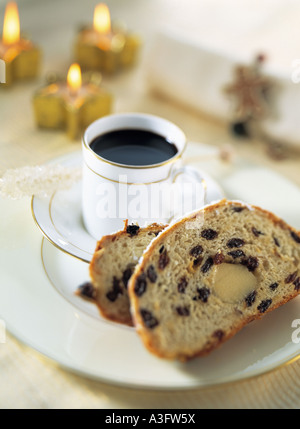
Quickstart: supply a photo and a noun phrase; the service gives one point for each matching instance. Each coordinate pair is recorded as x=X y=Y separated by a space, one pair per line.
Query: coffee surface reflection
x=133 y=147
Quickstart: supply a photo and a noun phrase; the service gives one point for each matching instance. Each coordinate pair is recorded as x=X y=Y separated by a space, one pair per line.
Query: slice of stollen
x=211 y=274
x=112 y=264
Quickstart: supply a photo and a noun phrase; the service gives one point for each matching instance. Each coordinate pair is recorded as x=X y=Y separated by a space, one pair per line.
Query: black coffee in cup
x=133 y=147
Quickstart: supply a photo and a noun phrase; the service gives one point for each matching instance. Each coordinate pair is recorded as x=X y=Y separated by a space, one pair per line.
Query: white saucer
x=60 y=220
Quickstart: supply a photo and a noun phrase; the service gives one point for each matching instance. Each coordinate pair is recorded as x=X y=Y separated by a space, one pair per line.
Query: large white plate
x=38 y=305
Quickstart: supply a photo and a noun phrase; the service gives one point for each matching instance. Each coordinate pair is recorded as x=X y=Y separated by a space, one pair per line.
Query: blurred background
x=233 y=30
x=233 y=25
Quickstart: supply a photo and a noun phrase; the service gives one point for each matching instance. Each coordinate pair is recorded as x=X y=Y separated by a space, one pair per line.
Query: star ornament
x=249 y=89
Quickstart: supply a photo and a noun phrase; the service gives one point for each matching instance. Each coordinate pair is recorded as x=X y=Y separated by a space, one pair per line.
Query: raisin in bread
x=208 y=275
x=112 y=264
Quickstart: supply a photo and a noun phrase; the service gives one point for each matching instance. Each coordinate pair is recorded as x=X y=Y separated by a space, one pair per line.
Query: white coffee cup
x=114 y=192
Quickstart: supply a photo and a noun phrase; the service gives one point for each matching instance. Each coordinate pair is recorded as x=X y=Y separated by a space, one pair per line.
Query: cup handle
x=192 y=172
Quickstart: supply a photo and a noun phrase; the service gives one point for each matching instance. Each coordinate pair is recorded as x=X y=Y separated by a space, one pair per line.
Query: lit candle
x=72 y=104
x=21 y=57
x=104 y=46
x=102 y=21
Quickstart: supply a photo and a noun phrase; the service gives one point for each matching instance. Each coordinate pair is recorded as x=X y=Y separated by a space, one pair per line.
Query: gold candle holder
x=106 y=47
x=73 y=104
x=21 y=57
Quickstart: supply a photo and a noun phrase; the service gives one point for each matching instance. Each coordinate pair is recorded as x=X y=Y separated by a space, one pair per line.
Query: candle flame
x=11 y=24
x=102 y=22
x=74 y=78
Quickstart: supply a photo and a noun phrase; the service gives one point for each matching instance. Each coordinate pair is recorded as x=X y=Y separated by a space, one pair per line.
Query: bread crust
x=96 y=271
x=138 y=321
